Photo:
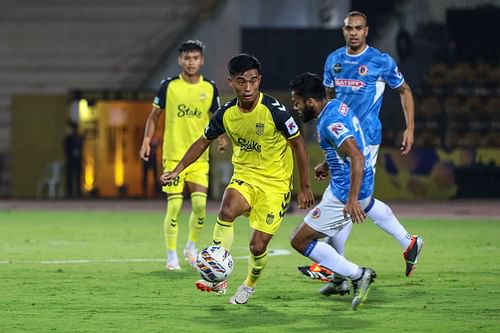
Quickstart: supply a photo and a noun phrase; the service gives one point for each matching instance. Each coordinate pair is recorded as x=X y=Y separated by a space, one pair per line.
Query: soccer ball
x=214 y=263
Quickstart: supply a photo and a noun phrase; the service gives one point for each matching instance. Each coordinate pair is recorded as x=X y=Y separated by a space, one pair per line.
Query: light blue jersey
x=336 y=123
x=359 y=81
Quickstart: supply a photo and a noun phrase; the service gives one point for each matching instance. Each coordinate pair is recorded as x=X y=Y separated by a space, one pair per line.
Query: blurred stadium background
x=99 y=63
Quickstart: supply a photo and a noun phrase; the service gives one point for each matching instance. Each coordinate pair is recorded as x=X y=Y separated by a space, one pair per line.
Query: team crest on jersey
x=343 y=109
x=316 y=213
x=203 y=96
x=337 y=68
x=291 y=126
x=363 y=70
x=259 y=128
x=338 y=129
x=270 y=218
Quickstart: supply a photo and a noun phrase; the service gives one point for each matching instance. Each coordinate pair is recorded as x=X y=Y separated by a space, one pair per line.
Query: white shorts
x=328 y=216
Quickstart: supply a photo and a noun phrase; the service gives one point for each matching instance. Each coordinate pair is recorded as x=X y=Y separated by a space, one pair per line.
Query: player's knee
x=380 y=211
x=258 y=247
x=199 y=204
x=297 y=243
x=298 y=240
x=174 y=204
x=227 y=214
x=199 y=210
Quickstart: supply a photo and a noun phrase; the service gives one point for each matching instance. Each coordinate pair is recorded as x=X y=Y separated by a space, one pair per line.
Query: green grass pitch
x=455 y=288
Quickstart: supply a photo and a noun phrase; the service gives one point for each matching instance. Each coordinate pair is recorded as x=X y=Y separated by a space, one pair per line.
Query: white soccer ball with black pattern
x=214 y=263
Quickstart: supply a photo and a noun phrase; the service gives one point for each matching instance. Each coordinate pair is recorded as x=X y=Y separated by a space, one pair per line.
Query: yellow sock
x=255 y=266
x=170 y=227
x=223 y=234
x=197 y=218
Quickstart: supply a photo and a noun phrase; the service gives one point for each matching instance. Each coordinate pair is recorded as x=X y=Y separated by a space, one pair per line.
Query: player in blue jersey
x=356 y=74
x=349 y=193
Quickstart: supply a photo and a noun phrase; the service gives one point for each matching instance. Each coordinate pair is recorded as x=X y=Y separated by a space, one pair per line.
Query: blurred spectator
x=73 y=144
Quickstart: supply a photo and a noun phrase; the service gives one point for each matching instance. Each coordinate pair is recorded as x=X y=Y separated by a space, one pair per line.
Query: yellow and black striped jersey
x=261 y=152
x=187 y=108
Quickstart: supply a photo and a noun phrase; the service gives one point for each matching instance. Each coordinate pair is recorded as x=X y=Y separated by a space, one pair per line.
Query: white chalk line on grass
x=272 y=253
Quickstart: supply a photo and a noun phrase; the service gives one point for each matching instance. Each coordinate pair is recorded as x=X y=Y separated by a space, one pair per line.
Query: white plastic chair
x=51 y=182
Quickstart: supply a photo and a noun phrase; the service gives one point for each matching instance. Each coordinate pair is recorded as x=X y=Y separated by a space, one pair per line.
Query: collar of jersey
x=259 y=102
x=182 y=79
x=356 y=55
x=324 y=108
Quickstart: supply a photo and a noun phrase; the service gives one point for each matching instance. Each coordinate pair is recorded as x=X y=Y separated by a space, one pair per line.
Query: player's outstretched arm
x=408 y=105
x=149 y=132
x=305 y=196
x=192 y=154
x=352 y=208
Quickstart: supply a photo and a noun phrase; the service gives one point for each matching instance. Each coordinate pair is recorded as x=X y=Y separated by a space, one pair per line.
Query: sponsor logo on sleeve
x=156 y=100
x=343 y=109
x=338 y=129
x=291 y=126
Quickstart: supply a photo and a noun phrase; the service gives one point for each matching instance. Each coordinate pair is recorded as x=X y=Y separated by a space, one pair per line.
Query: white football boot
x=242 y=295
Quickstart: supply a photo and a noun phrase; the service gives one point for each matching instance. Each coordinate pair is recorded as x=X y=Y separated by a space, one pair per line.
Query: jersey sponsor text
x=352 y=83
x=249 y=145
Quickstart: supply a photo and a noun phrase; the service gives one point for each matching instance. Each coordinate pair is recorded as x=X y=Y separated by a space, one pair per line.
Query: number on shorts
x=175 y=182
x=237 y=181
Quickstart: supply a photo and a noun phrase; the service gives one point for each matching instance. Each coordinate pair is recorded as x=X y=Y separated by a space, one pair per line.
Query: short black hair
x=308 y=85
x=243 y=62
x=191 y=45
x=357 y=13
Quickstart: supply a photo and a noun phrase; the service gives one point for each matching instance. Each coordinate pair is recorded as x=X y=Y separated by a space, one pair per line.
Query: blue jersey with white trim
x=336 y=123
x=359 y=81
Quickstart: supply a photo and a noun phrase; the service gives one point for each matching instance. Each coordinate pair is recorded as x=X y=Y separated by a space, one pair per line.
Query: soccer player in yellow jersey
x=187 y=99
x=263 y=134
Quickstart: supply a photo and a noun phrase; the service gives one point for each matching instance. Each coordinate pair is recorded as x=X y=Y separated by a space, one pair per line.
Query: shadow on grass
x=180 y=275
x=257 y=318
